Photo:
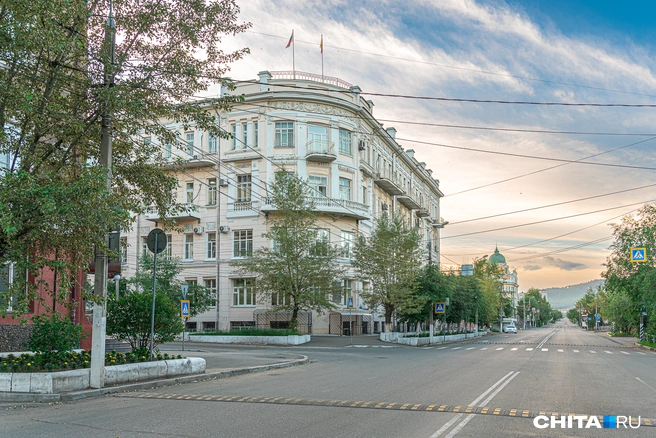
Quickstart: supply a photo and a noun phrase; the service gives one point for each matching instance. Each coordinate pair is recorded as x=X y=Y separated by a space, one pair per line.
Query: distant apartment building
x=320 y=128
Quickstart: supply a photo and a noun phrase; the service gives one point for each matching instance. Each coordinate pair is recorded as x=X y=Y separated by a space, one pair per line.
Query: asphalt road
x=374 y=390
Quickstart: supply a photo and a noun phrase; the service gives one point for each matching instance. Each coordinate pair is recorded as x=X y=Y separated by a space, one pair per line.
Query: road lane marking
x=575 y=351
x=500 y=348
x=593 y=352
x=529 y=349
x=456 y=348
x=624 y=352
x=545 y=349
x=441 y=348
x=513 y=349
x=609 y=352
x=639 y=352
x=484 y=348
x=560 y=351
x=470 y=348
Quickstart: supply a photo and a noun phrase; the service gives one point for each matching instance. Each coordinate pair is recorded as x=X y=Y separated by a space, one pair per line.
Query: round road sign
x=158 y=236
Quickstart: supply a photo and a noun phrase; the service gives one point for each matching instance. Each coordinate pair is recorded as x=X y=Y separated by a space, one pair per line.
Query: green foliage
x=129 y=319
x=52 y=95
x=251 y=331
x=391 y=260
x=631 y=286
x=70 y=360
x=168 y=283
x=55 y=333
x=533 y=299
x=301 y=272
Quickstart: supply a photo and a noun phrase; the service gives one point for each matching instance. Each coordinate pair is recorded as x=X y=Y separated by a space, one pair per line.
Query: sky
x=494 y=159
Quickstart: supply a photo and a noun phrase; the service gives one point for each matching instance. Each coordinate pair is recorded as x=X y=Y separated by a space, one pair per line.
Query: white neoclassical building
x=320 y=128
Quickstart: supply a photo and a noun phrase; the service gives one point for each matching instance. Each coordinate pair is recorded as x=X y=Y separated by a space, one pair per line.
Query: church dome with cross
x=497 y=257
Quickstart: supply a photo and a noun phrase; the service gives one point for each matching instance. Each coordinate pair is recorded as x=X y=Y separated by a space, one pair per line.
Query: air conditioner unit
x=223 y=182
x=361 y=145
x=224 y=229
x=199 y=230
x=195 y=157
x=385 y=207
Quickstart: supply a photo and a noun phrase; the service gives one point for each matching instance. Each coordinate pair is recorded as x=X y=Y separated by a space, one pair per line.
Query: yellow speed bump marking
x=417 y=407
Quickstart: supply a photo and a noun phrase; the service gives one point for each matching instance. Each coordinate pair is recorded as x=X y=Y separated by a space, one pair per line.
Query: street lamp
x=117 y=277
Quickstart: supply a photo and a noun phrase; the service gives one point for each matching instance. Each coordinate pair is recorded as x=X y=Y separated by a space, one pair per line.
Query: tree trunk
x=389 y=310
x=293 y=323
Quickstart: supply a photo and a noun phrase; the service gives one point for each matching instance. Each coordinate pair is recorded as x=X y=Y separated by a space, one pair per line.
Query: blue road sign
x=598 y=317
x=184 y=308
x=350 y=302
x=638 y=254
x=439 y=308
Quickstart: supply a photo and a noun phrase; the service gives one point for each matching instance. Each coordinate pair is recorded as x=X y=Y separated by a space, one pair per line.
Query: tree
x=168 y=283
x=301 y=271
x=129 y=319
x=631 y=286
x=489 y=276
x=53 y=92
x=390 y=259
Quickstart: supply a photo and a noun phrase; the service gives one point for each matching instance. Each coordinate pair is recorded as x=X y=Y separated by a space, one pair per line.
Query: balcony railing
x=188 y=211
x=304 y=76
x=340 y=207
x=323 y=151
x=388 y=182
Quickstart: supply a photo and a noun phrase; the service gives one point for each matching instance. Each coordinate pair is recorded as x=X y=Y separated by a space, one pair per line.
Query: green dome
x=497 y=257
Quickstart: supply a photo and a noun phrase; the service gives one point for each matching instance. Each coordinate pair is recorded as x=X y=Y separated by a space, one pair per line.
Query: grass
x=250 y=332
x=648 y=344
x=621 y=334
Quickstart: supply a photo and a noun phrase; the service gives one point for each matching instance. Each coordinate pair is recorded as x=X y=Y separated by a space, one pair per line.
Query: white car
x=510 y=329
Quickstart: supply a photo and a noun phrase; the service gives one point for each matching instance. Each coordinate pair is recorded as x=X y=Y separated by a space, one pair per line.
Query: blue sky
x=542 y=51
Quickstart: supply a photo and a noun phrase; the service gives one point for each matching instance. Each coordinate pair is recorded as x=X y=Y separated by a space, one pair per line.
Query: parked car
x=510 y=329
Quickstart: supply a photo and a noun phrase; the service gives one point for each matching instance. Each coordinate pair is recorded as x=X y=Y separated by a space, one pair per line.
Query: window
x=345 y=189
x=284 y=135
x=211 y=245
x=347 y=244
x=124 y=250
x=233 y=141
x=189 y=193
x=242 y=292
x=211 y=191
x=340 y=296
x=144 y=246
x=210 y=285
x=279 y=299
x=244 y=135
x=256 y=133
x=211 y=144
x=321 y=242
x=209 y=326
x=243 y=188
x=169 y=247
x=317 y=139
x=243 y=243
x=364 y=196
x=188 y=246
x=168 y=150
x=345 y=143
x=189 y=139
x=319 y=185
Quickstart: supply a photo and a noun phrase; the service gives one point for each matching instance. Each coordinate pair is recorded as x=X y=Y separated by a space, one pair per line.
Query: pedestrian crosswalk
x=541 y=350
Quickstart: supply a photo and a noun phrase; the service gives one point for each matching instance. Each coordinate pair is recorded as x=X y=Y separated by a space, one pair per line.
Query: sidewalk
x=218 y=365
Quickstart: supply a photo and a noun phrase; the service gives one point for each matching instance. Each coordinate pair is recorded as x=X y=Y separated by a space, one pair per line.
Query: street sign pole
x=432 y=329
x=184 y=288
x=152 y=310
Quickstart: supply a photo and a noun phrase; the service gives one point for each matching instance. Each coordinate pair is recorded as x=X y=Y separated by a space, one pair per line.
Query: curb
x=646 y=347
x=91 y=393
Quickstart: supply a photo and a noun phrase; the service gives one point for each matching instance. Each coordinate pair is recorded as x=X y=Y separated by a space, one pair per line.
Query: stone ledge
x=72 y=380
x=266 y=340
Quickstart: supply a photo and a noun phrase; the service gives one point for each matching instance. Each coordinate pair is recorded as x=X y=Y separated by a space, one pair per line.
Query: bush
x=128 y=319
x=56 y=333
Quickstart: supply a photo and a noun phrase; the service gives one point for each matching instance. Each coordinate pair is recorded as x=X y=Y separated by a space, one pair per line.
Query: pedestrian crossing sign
x=439 y=308
x=638 y=254
x=184 y=308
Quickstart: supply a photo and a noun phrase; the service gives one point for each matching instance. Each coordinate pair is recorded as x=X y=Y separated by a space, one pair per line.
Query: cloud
x=531 y=267
x=565 y=265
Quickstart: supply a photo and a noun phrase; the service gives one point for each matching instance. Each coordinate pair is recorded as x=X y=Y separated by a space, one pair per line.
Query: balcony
x=408 y=201
x=242 y=209
x=201 y=159
x=321 y=151
x=367 y=169
x=422 y=212
x=313 y=77
x=331 y=206
x=388 y=183
x=188 y=212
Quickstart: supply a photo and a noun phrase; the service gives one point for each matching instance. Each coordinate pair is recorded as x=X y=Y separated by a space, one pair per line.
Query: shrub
x=56 y=333
x=252 y=331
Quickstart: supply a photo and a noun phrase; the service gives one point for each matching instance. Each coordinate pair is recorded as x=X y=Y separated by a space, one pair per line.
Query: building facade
x=319 y=128
x=509 y=280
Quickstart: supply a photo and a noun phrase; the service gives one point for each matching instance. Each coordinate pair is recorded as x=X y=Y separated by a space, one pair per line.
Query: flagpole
x=322 y=80
x=293 y=54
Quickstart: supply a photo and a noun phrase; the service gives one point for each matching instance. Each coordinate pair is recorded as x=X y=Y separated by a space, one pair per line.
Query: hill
x=566 y=297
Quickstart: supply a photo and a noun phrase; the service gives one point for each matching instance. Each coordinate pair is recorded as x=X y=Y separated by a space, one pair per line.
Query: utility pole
x=97 y=376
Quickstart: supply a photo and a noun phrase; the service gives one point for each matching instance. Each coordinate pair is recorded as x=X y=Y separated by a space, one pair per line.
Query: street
x=383 y=390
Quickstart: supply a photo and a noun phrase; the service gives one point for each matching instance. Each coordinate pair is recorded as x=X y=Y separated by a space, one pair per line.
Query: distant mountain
x=566 y=297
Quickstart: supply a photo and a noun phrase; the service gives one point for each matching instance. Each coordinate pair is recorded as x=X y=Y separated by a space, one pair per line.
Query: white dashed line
x=441 y=348
x=575 y=351
x=624 y=352
x=470 y=348
x=484 y=348
x=513 y=349
x=456 y=348
x=529 y=349
x=545 y=349
x=609 y=352
x=500 y=348
x=641 y=353
x=560 y=351
x=593 y=352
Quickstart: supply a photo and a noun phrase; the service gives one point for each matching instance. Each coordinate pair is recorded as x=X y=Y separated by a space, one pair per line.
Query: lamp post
x=117 y=278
